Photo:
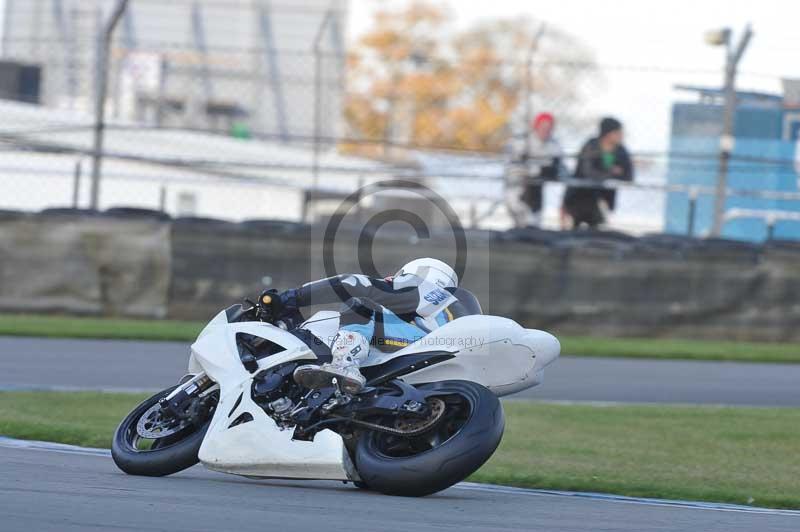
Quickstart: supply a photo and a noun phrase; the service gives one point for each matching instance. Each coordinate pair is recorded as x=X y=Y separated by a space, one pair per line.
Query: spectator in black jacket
x=601 y=158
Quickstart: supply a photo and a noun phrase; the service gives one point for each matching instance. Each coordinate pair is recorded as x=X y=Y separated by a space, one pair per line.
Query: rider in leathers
x=388 y=313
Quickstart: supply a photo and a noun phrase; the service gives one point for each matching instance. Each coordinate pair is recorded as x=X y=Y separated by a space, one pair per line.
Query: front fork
x=180 y=400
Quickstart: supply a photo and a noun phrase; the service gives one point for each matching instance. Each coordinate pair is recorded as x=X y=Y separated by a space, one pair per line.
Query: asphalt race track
x=55 y=490
x=47 y=487
x=27 y=363
x=669 y=381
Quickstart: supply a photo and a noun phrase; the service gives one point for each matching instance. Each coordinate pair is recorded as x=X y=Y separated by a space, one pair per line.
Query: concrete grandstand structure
x=210 y=64
x=187 y=173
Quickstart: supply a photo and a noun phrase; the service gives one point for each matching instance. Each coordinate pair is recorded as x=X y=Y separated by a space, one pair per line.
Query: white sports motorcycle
x=428 y=417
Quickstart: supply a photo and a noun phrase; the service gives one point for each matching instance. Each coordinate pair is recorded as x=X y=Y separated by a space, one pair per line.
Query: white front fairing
x=258 y=447
x=495 y=352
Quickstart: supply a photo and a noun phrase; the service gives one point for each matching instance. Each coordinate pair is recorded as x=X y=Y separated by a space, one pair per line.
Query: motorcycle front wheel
x=173 y=447
x=466 y=435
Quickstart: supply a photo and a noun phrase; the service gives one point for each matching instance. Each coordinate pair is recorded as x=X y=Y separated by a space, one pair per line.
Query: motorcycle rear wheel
x=165 y=456
x=468 y=434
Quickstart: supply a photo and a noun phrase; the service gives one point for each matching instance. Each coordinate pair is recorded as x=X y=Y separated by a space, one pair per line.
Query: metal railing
x=770 y=217
x=479 y=211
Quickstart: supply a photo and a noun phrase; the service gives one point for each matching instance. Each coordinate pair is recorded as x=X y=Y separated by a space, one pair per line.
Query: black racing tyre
x=165 y=456
x=466 y=436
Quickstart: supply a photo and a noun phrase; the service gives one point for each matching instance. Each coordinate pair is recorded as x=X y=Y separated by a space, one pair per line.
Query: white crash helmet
x=432 y=270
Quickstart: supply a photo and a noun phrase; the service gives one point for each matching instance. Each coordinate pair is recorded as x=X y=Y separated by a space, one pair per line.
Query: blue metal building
x=767 y=127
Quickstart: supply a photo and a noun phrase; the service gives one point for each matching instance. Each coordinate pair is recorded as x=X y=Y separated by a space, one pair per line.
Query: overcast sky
x=632 y=37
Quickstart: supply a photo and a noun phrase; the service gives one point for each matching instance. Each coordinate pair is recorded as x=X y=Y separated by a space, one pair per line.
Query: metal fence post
x=201 y=47
x=272 y=62
x=693 y=193
x=103 y=53
x=318 y=96
x=76 y=183
x=163 y=72
x=162 y=198
x=7 y=10
x=771 y=221
x=529 y=85
x=128 y=45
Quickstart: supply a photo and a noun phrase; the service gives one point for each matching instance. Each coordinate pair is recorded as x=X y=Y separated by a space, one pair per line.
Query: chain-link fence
x=252 y=109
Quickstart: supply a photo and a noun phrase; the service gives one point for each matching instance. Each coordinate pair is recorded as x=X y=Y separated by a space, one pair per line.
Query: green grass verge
x=77 y=418
x=667 y=348
x=101 y=328
x=186 y=331
x=737 y=455
x=722 y=454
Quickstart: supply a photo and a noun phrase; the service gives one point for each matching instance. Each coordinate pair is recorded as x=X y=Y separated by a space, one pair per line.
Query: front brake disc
x=152 y=425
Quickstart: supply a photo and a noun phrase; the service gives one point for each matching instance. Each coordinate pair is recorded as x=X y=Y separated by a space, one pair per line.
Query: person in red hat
x=534 y=160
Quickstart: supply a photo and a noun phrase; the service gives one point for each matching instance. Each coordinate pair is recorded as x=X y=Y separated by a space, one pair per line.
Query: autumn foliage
x=415 y=81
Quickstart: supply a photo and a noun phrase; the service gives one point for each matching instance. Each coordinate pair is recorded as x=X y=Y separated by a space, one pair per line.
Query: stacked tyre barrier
x=140 y=263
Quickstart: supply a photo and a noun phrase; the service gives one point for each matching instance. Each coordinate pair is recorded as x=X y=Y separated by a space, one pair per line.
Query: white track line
x=470 y=486
x=33 y=445
x=694 y=505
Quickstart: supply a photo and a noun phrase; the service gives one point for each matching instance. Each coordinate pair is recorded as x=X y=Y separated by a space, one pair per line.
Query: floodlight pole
x=327 y=20
x=727 y=140
x=103 y=53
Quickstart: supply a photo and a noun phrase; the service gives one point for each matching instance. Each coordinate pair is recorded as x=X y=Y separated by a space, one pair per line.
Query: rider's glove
x=269 y=305
x=277 y=305
x=289 y=300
